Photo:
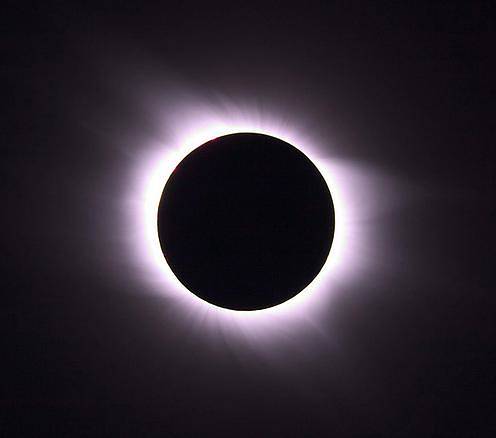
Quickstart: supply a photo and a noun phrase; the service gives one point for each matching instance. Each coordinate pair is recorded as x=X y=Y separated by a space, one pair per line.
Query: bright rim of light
x=159 y=161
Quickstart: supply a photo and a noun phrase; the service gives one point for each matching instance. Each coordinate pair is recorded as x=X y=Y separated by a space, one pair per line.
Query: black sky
x=405 y=89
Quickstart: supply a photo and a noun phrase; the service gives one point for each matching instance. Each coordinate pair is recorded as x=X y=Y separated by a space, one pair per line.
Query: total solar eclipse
x=246 y=221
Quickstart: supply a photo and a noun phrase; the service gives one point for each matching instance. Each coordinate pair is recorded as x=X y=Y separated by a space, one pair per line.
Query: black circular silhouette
x=246 y=221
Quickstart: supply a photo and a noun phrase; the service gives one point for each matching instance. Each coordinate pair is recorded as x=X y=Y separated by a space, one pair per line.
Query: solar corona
x=257 y=192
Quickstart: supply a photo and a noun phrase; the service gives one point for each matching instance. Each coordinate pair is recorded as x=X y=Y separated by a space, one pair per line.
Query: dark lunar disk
x=246 y=221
